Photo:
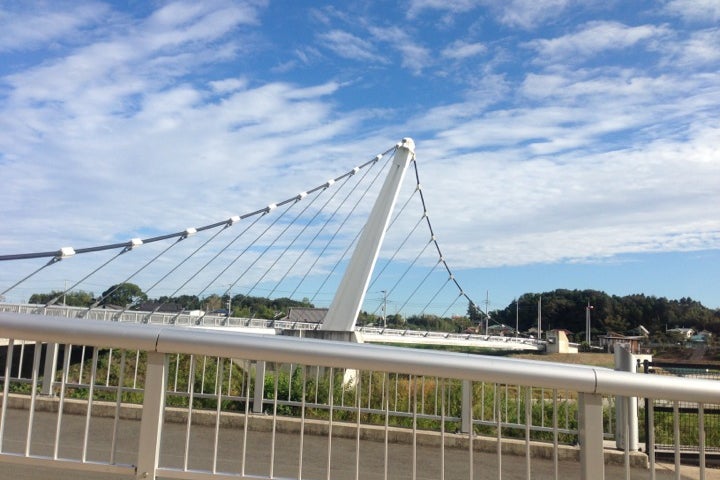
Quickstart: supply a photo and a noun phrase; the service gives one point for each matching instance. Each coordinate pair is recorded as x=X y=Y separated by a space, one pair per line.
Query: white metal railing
x=230 y=404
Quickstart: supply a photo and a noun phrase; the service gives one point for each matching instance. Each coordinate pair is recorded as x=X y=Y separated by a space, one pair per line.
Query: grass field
x=592 y=359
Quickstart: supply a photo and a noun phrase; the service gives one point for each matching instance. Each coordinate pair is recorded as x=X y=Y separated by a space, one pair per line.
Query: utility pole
x=487 y=322
x=587 y=322
x=384 y=309
x=517 y=317
x=539 y=327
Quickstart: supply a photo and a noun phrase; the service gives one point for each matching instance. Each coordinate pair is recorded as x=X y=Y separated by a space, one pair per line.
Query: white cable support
x=56 y=256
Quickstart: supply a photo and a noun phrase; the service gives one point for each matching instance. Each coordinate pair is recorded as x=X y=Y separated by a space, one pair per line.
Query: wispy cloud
x=350 y=46
x=591 y=39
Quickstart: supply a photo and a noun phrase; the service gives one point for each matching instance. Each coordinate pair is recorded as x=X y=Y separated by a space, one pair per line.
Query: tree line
x=562 y=308
x=566 y=309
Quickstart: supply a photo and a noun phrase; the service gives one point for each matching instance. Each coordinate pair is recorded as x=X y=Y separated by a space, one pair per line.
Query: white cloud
x=414 y=57
x=350 y=46
x=41 y=24
x=529 y=13
x=695 y=10
x=460 y=50
x=699 y=50
x=591 y=39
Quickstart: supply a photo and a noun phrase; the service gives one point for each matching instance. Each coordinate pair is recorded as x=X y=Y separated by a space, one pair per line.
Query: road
x=259 y=456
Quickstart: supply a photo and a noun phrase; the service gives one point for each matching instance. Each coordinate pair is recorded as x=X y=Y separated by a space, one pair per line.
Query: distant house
x=557 y=342
x=306 y=315
x=612 y=339
x=684 y=333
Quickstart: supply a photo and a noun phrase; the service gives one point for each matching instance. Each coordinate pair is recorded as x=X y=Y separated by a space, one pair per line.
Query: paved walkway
x=286 y=460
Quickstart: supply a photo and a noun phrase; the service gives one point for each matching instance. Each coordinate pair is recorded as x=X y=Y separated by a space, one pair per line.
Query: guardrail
x=298 y=408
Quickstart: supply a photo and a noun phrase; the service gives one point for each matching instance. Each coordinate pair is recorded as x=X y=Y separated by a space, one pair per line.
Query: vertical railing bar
x=506 y=402
x=6 y=388
x=191 y=400
x=274 y=423
x=567 y=410
x=437 y=389
x=303 y=405
x=91 y=393
x=383 y=390
x=247 y=419
x=33 y=395
x=218 y=383
x=442 y=430
x=528 y=423
x=626 y=435
x=22 y=357
x=218 y=409
x=109 y=365
x=202 y=381
x=650 y=433
x=397 y=382
x=153 y=408
x=177 y=371
x=137 y=365
x=556 y=443
x=518 y=396
x=331 y=402
x=542 y=407
x=387 y=424
x=498 y=408
x=82 y=365
x=67 y=353
x=413 y=380
x=422 y=397
x=369 y=395
x=471 y=432
x=342 y=397
x=358 y=394
x=290 y=380
x=317 y=383
x=118 y=405
x=482 y=403
x=676 y=437
x=229 y=384
x=701 y=438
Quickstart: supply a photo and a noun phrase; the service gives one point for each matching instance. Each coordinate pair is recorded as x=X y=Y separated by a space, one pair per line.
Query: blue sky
x=562 y=144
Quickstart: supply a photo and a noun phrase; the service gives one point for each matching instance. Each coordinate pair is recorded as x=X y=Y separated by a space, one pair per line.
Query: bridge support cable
x=321 y=229
x=395 y=253
x=57 y=256
x=337 y=231
x=407 y=270
x=194 y=252
x=419 y=285
x=292 y=242
x=136 y=242
x=346 y=304
x=147 y=264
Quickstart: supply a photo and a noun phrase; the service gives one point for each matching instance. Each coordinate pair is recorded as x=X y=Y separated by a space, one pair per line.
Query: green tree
x=123 y=294
x=79 y=298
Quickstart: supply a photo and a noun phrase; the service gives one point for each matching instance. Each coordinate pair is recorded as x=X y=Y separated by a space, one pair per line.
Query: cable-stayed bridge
x=353 y=248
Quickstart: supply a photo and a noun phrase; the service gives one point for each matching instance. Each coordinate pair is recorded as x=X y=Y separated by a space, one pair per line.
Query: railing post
x=51 y=355
x=590 y=432
x=466 y=407
x=259 y=393
x=152 y=416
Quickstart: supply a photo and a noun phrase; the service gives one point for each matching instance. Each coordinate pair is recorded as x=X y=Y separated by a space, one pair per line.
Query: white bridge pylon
x=345 y=307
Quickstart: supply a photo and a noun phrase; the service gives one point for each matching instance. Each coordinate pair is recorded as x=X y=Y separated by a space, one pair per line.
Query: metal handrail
x=230 y=344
